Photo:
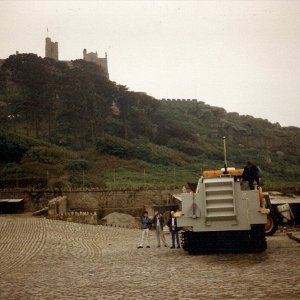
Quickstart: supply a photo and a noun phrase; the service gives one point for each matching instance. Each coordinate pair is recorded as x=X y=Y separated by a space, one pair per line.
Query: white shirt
x=173 y=222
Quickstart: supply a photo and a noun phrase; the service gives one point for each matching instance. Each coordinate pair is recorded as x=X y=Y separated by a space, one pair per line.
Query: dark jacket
x=170 y=224
x=251 y=174
x=146 y=222
x=161 y=221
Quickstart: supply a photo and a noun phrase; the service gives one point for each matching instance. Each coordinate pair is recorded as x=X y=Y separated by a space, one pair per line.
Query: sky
x=243 y=56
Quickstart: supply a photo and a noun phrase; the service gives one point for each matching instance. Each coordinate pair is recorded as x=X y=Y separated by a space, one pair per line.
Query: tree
x=31 y=74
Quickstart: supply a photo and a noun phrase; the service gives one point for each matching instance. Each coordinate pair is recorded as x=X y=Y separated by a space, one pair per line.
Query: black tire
x=258 y=238
x=271 y=226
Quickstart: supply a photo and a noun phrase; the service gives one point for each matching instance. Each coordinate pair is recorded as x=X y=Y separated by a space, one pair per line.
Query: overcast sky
x=239 y=55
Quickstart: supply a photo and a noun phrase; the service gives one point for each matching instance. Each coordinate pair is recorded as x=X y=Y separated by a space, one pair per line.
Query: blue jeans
x=174 y=234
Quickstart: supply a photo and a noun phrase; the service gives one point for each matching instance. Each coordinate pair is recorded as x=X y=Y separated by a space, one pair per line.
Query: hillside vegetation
x=70 y=124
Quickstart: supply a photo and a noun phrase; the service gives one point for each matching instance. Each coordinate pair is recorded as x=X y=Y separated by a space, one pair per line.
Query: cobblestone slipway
x=47 y=259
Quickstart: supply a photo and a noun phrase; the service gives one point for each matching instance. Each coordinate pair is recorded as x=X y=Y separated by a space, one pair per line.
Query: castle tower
x=51 y=49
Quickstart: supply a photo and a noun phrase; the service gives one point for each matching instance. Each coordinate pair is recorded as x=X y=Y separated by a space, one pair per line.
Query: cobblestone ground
x=46 y=259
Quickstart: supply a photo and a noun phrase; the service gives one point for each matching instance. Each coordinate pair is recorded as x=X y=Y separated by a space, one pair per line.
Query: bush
x=9 y=170
x=185 y=146
x=49 y=155
x=88 y=181
x=12 y=147
x=115 y=146
x=142 y=151
x=164 y=155
x=77 y=165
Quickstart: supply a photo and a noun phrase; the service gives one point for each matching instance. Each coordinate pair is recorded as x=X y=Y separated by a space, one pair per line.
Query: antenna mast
x=225 y=155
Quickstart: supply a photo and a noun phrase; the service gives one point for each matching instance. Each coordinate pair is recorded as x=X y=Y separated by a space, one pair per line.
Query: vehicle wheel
x=257 y=238
x=271 y=225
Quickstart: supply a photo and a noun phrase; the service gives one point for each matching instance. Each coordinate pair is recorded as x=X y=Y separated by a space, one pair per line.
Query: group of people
x=250 y=174
x=158 y=223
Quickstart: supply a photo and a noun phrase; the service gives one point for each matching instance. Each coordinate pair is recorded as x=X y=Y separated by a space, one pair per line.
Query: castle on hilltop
x=93 y=57
x=51 y=51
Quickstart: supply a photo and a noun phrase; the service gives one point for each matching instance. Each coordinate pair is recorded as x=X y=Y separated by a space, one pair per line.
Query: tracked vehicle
x=221 y=217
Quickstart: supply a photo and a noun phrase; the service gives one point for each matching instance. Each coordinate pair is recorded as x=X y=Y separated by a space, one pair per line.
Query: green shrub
x=115 y=146
x=47 y=155
x=77 y=165
x=142 y=151
x=185 y=146
x=165 y=156
x=86 y=181
x=9 y=170
x=12 y=147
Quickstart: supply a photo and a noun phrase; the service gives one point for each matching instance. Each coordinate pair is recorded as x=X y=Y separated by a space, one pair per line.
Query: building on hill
x=51 y=49
x=93 y=57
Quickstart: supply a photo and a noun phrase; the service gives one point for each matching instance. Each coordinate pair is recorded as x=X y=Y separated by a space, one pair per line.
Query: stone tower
x=51 y=49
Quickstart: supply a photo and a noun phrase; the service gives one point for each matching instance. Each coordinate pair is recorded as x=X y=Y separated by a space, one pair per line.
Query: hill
x=73 y=125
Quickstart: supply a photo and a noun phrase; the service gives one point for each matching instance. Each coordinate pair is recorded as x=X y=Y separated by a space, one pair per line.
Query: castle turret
x=84 y=54
x=51 y=49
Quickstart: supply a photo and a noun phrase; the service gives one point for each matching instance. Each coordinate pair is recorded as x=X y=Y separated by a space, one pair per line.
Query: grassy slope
x=167 y=142
x=92 y=169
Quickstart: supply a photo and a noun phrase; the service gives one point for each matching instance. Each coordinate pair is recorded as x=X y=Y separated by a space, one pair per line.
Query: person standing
x=250 y=174
x=158 y=221
x=172 y=223
x=146 y=226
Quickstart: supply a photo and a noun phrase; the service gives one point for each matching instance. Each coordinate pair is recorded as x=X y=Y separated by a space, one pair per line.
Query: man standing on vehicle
x=250 y=174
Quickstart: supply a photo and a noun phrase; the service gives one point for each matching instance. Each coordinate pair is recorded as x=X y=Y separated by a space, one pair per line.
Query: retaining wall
x=102 y=201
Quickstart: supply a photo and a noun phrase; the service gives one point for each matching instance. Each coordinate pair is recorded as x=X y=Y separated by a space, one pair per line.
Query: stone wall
x=102 y=201
x=127 y=201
